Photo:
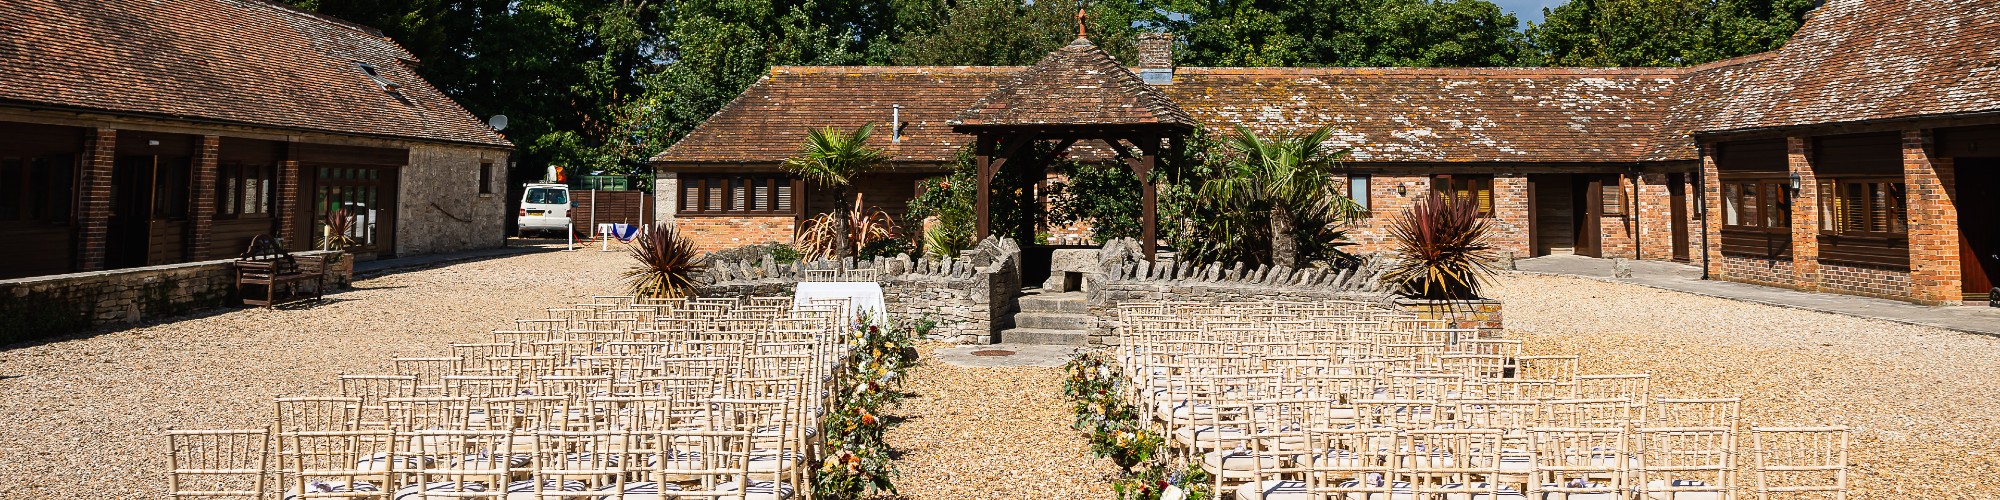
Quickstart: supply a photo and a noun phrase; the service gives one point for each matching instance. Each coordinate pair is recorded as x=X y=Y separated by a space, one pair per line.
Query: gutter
x=1875 y=121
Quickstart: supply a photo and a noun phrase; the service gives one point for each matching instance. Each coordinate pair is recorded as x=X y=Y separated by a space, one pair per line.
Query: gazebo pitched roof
x=1078 y=84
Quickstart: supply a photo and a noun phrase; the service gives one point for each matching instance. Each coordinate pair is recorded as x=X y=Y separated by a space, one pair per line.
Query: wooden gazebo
x=1077 y=93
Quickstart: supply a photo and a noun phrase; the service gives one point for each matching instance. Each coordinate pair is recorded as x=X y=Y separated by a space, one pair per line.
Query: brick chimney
x=1156 y=58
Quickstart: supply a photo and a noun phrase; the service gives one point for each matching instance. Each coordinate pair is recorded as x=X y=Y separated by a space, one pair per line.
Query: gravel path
x=976 y=433
x=82 y=416
x=1924 y=402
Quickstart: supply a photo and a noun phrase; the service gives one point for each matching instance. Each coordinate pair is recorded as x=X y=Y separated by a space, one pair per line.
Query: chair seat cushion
x=1273 y=490
x=1208 y=437
x=331 y=487
x=644 y=490
x=1481 y=491
x=772 y=460
x=760 y=490
x=1238 y=464
x=1653 y=490
x=525 y=490
x=411 y=492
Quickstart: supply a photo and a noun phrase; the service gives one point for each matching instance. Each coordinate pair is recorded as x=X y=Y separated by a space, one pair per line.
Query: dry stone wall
x=970 y=297
x=49 y=306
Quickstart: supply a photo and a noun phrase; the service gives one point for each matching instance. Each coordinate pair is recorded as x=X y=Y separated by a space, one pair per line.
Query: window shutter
x=737 y=194
x=691 y=196
x=1614 y=196
x=762 y=197
x=714 y=188
x=784 y=195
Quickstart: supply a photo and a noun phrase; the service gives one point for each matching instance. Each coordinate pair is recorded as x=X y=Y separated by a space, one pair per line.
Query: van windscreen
x=547 y=196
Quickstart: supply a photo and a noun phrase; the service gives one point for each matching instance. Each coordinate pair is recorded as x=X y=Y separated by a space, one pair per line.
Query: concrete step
x=1071 y=302
x=1041 y=336
x=1052 y=321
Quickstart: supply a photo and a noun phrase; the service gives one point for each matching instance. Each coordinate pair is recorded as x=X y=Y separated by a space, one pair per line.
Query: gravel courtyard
x=1924 y=402
x=83 y=416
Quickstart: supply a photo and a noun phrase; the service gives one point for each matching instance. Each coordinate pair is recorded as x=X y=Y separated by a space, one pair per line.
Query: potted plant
x=336 y=236
x=1444 y=260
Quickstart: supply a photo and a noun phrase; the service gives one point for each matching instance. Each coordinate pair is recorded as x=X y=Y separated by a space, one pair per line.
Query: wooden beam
x=984 y=208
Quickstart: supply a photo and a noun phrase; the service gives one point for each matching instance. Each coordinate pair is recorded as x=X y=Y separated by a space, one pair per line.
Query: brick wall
x=94 y=200
x=1805 y=215
x=1711 y=225
x=1371 y=234
x=720 y=233
x=1872 y=281
x=289 y=211
x=1510 y=214
x=1754 y=270
x=1656 y=228
x=201 y=223
x=1935 y=272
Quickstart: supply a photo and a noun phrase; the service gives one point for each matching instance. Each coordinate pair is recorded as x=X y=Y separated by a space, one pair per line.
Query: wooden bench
x=267 y=265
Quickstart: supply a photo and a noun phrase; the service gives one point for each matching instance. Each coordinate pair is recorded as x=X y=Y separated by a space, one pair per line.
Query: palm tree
x=1284 y=175
x=833 y=158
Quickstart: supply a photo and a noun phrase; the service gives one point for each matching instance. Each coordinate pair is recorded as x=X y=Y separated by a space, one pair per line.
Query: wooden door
x=1978 y=225
x=1677 y=208
x=1590 y=216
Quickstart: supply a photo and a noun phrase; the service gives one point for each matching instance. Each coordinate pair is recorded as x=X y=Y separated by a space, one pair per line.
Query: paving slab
x=1686 y=278
x=1006 y=355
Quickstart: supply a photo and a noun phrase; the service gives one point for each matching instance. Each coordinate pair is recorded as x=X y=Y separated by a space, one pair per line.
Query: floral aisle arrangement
x=1118 y=431
x=857 y=462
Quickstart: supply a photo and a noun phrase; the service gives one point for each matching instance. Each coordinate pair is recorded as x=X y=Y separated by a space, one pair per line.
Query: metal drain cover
x=993 y=352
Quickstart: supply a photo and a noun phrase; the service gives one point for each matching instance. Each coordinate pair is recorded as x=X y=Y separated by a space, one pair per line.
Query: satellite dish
x=498 y=122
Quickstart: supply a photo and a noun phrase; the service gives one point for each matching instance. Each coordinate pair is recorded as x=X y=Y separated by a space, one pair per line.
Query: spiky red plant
x=1443 y=249
x=666 y=263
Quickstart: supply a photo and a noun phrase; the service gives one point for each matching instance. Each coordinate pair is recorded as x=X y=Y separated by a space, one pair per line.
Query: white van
x=545 y=207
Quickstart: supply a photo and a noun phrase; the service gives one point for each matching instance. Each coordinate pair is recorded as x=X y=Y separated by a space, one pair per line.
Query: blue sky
x=1527 y=10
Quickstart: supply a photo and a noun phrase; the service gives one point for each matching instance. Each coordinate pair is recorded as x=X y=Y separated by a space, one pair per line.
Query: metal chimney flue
x=896 y=123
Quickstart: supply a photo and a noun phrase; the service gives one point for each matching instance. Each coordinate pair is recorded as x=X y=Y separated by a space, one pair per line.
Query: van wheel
x=1993 y=297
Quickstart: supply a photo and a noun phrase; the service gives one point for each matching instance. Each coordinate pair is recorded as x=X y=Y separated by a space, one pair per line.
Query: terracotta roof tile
x=1078 y=84
x=768 y=122
x=1864 y=60
x=1443 y=115
x=238 y=61
x=1698 y=98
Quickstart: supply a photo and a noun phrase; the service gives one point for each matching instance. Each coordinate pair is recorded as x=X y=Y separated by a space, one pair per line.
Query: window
x=485 y=178
x=170 y=189
x=1477 y=187
x=548 y=196
x=244 y=190
x=1863 y=207
x=1759 y=203
x=1357 y=190
x=764 y=194
x=1614 y=195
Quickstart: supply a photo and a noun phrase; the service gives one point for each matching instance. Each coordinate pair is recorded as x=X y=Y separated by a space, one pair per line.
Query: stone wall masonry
x=48 y=306
x=1123 y=276
x=442 y=207
x=971 y=297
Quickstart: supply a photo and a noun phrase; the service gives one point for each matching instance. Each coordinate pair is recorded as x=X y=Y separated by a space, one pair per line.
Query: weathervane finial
x=1080 y=17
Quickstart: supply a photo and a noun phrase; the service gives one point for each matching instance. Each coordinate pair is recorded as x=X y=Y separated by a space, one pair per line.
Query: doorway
x=1589 y=213
x=1978 y=225
x=1677 y=209
x=1554 y=204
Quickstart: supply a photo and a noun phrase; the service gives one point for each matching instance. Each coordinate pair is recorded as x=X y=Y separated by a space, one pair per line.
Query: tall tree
x=1662 y=32
x=1014 y=33
x=833 y=158
x=1284 y=175
x=1343 y=32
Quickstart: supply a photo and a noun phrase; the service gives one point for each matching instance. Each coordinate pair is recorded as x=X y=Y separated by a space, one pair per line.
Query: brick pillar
x=1655 y=217
x=1510 y=214
x=1710 y=239
x=289 y=218
x=94 y=200
x=1805 y=215
x=1935 y=269
x=201 y=223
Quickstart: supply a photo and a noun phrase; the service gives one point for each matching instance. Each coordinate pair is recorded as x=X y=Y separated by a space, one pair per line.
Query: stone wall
x=971 y=297
x=48 y=306
x=443 y=208
x=1123 y=276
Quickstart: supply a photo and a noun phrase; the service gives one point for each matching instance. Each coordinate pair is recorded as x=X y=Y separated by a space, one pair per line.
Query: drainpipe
x=1632 y=210
x=1701 y=199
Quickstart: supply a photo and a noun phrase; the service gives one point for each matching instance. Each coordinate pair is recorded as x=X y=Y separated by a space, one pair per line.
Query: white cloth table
x=865 y=297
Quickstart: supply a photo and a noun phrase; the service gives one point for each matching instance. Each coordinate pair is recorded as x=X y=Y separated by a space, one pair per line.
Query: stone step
x=1041 y=336
x=1052 y=321
x=1055 y=303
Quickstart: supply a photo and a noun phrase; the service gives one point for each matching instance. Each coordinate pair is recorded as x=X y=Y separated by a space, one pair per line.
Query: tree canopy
x=601 y=85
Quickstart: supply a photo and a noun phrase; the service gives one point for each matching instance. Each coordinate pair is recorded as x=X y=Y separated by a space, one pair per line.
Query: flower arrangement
x=858 y=461
x=1117 y=431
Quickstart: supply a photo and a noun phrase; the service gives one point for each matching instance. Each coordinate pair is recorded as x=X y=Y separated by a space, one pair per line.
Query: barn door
x=1978 y=225
x=1590 y=220
x=1677 y=208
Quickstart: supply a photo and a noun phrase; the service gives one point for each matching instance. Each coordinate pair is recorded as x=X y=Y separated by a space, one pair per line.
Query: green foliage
x=1015 y=33
x=833 y=158
x=946 y=207
x=885 y=247
x=1663 y=32
x=1224 y=198
x=1096 y=389
x=858 y=460
x=1106 y=195
x=1442 y=249
x=784 y=254
x=1344 y=33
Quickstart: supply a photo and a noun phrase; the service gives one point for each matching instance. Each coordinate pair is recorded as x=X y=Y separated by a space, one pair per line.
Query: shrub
x=784 y=254
x=820 y=237
x=666 y=263
x=1443 y=248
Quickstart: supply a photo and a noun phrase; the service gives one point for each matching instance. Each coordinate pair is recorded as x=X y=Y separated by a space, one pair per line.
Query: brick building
x=149 y=132
x=1646 y=163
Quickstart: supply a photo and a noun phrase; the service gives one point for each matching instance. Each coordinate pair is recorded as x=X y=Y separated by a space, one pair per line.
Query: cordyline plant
x=1443 y=247
x=833 y=158
x=339 y=230
x=666 y=263
x=820 y=237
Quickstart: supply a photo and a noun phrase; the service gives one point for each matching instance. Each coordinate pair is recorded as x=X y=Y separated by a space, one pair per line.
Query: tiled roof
x=1078 y=84
x=1864 y=60
x=768 y=122
x=238 y=61
x=1698 y=98
x=1442 y=115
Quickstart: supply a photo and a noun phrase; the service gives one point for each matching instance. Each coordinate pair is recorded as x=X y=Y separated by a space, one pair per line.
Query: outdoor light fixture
x=1402 y=189
x=152 y=143
x=1795 y=183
